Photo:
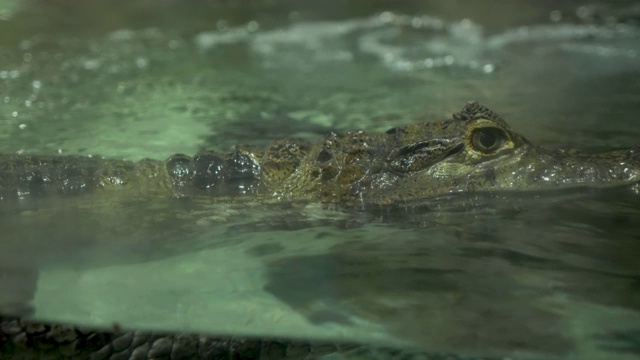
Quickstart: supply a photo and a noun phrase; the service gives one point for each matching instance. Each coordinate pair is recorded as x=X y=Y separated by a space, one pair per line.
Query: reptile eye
x=488 y=140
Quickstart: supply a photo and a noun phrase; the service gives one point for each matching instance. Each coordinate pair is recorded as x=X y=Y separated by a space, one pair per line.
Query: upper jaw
x=543 y=169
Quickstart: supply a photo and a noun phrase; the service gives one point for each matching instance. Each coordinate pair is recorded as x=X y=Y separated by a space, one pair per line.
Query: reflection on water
x=552 y=275
x=549 y=275
x=488 y=283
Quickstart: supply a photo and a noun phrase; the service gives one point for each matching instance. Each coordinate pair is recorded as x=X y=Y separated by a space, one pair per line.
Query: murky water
x=535 y=276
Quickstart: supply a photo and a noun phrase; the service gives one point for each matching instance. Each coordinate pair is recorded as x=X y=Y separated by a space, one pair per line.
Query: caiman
x=473 y=151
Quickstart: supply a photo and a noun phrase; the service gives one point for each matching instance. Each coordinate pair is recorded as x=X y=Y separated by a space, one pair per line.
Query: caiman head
x=476 y=151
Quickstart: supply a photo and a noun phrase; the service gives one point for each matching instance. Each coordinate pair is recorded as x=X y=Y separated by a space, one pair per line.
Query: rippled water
x=535 y=276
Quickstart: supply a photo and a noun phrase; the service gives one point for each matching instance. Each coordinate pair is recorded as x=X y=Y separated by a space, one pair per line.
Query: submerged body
x=474 y=151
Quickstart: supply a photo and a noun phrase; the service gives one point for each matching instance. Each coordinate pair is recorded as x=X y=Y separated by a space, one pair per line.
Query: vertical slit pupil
x=487 y=138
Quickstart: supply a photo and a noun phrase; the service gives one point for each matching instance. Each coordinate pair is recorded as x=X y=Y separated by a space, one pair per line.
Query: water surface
x=526 y=276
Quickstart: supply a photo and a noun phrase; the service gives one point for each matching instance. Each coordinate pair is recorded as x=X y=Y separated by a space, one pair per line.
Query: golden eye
x=488 y=140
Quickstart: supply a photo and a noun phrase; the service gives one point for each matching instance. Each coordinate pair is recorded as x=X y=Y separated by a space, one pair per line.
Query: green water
x=529 y=277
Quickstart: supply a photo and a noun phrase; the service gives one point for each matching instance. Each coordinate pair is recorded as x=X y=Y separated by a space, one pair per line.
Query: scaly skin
x=475 y=151
x=21 y=339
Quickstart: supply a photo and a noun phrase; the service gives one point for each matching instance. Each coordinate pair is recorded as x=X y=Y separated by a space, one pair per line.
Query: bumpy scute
x=474 y=110
x=282 y=159
x=207 y=170
x=242 y=170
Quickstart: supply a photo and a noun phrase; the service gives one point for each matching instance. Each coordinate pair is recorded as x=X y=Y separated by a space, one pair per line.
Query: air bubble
x=448 y=60
x=386 y=17
x=428 y=63
x=583 y=12
x=253 y=26
x=92 y=64
x=488 y=68
x=142 y=63
x=555 y=16
x=466 y=23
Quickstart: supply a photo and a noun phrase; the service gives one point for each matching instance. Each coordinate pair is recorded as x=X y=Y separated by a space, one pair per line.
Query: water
x=535 y=276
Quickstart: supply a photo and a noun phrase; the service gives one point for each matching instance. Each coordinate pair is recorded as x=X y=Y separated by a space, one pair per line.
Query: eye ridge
x=488 y=140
